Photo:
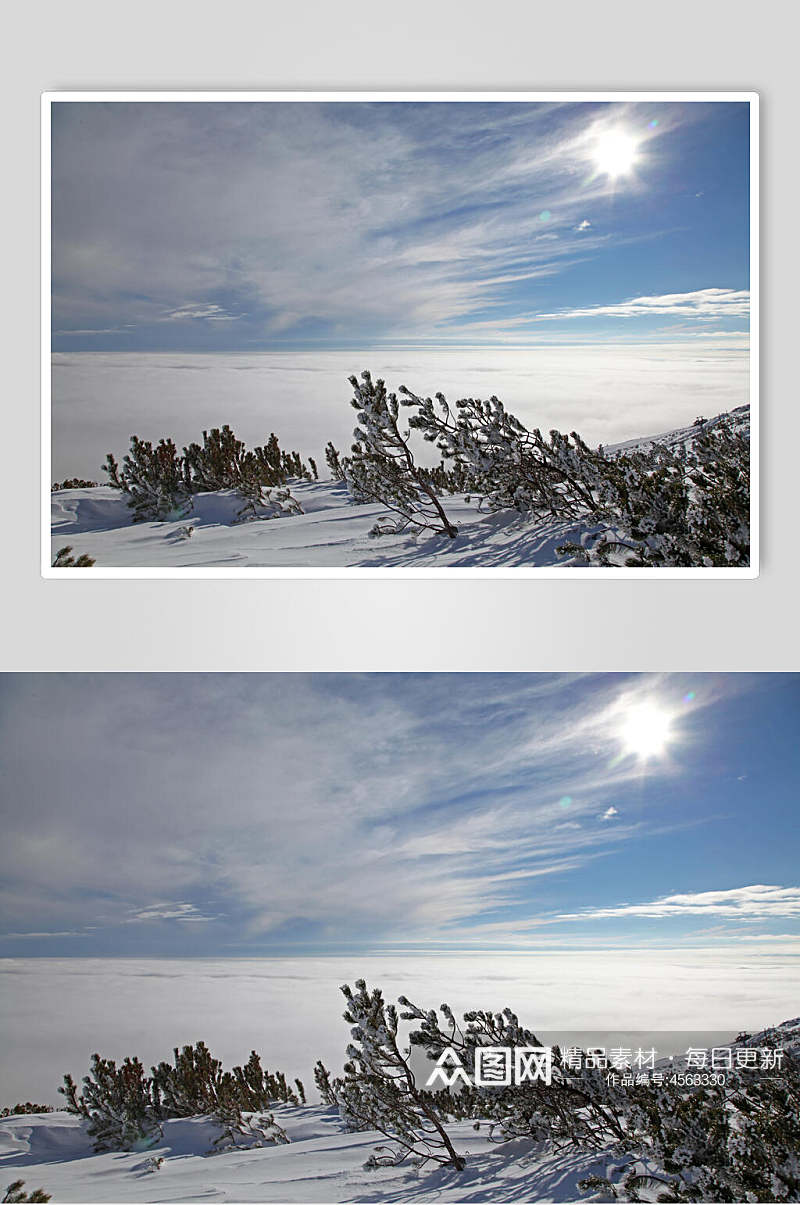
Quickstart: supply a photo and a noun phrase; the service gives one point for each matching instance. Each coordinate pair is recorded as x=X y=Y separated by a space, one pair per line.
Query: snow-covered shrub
x=382 y=466
x=379 y=1089
x=577 y=1108
x=153 y=479
x=65 y=560
x=720 y=477
x=736 y=1142
x=124 y=1107
x=160 y=483
x=216 y=464
x=14 y=1194
x=117 y=1102
x=244 y=1133
x=28 y=1107
x=498 y=459
x=334 y=462
x=325 y=1086
x=73 y=483
x=688 y=506
x=196 y=1083
x=223 y=462
x=739 y=1141
x=262 y=503
x=655 y=506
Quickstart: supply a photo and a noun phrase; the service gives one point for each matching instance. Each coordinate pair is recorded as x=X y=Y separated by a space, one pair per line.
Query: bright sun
x=615 y=153
x=646 y=730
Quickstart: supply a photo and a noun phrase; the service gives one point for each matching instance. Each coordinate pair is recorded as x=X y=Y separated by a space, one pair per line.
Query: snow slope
x=321 y=1163
x=332 y=532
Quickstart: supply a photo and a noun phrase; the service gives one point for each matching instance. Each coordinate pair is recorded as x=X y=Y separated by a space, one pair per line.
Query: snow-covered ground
x=321 y=1163
x=332 y=532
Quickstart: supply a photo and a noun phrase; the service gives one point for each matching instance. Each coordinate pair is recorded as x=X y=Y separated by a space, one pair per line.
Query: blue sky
x=241 y=227
x=254 y=814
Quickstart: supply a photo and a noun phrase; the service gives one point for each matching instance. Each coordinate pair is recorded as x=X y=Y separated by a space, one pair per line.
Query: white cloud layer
x=742 y=903
x=703 y=304
x=55 y=1013
x=101 y=399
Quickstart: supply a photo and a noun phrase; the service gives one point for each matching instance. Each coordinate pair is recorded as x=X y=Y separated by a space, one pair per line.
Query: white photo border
x=568 y=573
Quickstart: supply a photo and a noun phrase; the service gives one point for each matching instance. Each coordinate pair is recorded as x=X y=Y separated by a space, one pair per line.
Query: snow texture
x=321 y=1163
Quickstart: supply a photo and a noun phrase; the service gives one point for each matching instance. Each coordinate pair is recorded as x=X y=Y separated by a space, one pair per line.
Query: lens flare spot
x=565 y=801
x=545 y=215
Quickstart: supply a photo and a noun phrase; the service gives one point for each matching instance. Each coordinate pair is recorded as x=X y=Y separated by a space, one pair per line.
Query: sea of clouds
x=54 y=1013
x=607 y=393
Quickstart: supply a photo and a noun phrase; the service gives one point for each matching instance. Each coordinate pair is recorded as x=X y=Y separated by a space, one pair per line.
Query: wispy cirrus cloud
x=197 y=310
x=180 y=912
x=743 y=903
x=246 y=223
x=54 y=933
x=701 y=304
x=242 y=791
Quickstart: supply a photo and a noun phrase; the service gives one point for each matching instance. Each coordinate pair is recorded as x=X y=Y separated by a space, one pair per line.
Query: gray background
x=392 y=625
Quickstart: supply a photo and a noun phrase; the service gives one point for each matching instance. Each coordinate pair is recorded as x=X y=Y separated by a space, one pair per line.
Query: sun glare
x=646 y=731
x=615 y=153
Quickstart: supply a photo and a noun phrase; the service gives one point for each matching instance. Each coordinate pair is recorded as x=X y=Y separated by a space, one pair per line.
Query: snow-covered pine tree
x=262 y=503
x=116 y=1102
x=195 y=1082
x=686 y=506
x=124 y=1106
x=379 y=1090
x=656 y=506
x=382 y=466
x=73 y=483
x=325 y=1086
x=334 y=462
x=245 y=1133
x=21 y=1108
x=216 y=464
x=15 y=1194
x=739 y=1141
x=65 y=560
x=153 y=479
x=719 y=472
x=577 y=1108
x=496 y=457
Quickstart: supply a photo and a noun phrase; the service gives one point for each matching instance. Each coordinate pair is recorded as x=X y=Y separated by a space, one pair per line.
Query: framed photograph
x=400 y=937
x=400 y=334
